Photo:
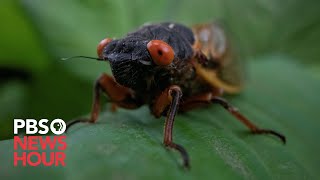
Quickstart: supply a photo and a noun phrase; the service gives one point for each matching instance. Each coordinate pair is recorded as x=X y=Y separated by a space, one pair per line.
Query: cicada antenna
x=86 y=57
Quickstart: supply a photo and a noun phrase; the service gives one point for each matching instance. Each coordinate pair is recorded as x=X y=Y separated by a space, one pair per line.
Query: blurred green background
x=280 y=38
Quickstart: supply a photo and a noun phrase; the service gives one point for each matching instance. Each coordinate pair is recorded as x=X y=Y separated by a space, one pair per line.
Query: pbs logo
x=58 y=126
x=32 y=126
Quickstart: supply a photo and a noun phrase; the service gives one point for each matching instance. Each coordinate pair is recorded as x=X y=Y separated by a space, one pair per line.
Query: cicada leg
x=170 y=98
x=119 y=96
x=207 y=98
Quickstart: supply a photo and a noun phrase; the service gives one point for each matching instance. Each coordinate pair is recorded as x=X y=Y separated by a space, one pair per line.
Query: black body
x=125 y=56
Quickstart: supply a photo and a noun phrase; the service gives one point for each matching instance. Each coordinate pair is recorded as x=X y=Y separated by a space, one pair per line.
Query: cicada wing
x=214 y=42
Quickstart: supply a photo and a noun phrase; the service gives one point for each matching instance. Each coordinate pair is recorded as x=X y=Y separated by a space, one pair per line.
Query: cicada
x=171 y=68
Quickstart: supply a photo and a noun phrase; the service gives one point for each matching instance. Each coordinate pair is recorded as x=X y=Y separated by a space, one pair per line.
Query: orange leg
x=170 y=98
x=119 y=95
x=207 y=98
x=254 y=129
x=199 y=100
x=196 y=101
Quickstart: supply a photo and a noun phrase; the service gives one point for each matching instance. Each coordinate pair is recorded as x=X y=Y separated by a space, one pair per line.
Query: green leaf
x=281 y=95
x=127 y=145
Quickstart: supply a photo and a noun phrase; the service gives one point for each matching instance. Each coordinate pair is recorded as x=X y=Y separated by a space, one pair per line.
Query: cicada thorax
x=222 y=69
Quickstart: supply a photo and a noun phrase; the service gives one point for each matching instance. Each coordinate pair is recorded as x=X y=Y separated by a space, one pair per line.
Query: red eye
x=101 y=45
x=162 y=53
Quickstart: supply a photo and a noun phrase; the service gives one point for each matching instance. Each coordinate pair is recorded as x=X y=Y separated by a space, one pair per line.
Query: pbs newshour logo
x=30 y=149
